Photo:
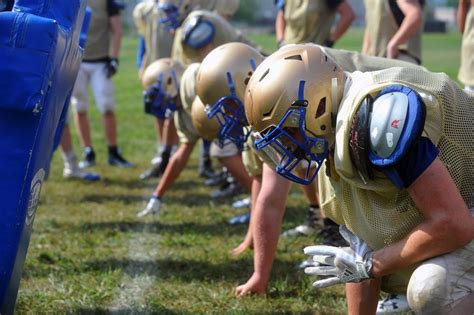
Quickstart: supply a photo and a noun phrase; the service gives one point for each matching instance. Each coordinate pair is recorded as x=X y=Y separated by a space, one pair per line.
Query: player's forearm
x=116 y=42
x=447 y=226
x=174 y=168
x=280 y=26
x=347 y=15
x=366 y=43
x=410 y=25
x=362 y=297
x=429 y=239
x=267 y=217
x=116 y=35
x=266 y=230
x=463 y=7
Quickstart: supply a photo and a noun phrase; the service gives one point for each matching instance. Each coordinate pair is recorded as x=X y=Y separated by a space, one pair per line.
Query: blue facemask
x=173 y=19
x=157 y=101
x=229 y=112
x=297 y=156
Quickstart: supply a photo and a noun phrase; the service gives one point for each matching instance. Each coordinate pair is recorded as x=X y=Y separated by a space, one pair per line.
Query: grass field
x=90 y=254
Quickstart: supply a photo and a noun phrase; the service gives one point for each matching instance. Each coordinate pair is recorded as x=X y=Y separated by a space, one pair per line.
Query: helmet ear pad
x=198 y=32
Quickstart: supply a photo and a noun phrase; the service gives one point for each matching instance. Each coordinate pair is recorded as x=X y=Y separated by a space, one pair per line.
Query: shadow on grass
x=217 y=228
x=130 y=183
x=191 y=199
x=124 y=311
x=186 y=270
x=102 y=198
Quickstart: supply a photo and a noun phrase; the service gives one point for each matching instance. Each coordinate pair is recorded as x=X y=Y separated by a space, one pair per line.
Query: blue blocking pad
x=39 y=59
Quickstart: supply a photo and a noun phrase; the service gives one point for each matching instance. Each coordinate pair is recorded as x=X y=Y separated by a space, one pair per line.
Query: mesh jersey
x=252 y=161
x=351 y=61
x=187 y=91
x=225 y=33
x=378 y=212
x=158 y=40
x=381 y=25
x=466 y=70
x=307 y=21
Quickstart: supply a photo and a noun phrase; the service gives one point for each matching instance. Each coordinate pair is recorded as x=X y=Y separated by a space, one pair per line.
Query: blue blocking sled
x=39 y=59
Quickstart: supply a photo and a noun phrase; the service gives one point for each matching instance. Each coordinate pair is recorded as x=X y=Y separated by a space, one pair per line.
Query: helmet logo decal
x=395 y=124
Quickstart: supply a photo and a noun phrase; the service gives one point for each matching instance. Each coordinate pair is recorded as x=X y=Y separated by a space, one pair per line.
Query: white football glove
x=345 y=264
x=153 y=207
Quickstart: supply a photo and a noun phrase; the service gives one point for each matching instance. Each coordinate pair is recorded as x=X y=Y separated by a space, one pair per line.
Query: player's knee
x=79 y=106
x=428 y=289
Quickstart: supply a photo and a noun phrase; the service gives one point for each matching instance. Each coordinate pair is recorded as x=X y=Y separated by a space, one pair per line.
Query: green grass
x=90 y=254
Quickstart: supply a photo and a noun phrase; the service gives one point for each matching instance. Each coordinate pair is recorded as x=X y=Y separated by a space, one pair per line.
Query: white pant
x=439 y=284
x=229 y=149
x=103 y=88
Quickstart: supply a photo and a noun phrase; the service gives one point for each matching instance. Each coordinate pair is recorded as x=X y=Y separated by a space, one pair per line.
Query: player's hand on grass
x=255 y=285
x=153 y=207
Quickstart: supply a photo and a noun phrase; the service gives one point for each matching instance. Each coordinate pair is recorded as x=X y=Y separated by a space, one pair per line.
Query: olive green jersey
x=308 y=21
x=98 y=35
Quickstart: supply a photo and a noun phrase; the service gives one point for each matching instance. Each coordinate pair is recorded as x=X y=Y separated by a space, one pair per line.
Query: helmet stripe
x=301 y=90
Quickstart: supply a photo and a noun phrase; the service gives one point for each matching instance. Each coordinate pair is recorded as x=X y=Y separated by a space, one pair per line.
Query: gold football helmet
x=221 y=83
x=208 y=128
x=160 y=82
x=291 y=104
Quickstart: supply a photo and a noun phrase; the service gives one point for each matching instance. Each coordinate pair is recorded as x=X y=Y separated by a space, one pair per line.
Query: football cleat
x=240 y=219
x=394 y=303
x=300 y=230
x=76 y=173
x=89 y=158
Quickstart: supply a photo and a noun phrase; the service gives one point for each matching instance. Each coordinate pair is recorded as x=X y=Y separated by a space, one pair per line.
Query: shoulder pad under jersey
x=397 y=121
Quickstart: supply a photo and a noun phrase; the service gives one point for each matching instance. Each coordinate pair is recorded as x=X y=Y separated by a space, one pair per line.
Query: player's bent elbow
x=460 y=232
x=453 y=230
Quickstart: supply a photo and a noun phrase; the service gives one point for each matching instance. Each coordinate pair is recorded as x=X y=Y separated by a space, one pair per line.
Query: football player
x=196 y=32
x=393 y=150
x=185 y=101
x=155 y=42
